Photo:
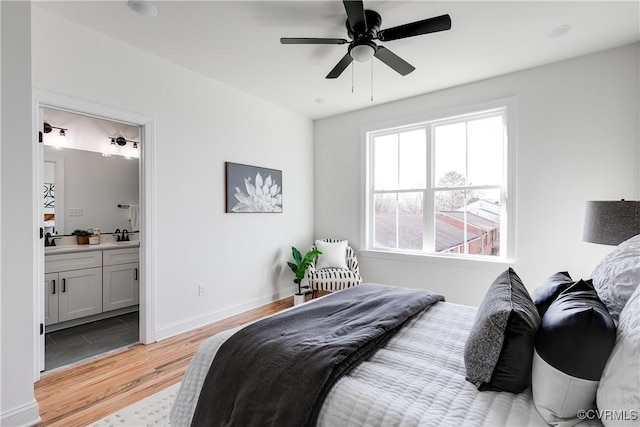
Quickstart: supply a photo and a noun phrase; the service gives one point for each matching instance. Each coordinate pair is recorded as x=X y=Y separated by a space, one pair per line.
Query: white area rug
x=151 y=411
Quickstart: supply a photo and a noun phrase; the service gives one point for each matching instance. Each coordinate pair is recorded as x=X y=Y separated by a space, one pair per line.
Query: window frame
x=504 y=106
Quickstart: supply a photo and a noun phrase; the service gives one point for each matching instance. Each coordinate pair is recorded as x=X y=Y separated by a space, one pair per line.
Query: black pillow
x=573 y=344
x=499 y=350
x=577 y=333
x=549 y=290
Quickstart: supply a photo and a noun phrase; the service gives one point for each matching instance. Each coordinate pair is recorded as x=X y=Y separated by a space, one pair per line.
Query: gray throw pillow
x=499 y=350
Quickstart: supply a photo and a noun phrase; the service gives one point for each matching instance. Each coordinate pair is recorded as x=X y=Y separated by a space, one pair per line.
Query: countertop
x=65 y=249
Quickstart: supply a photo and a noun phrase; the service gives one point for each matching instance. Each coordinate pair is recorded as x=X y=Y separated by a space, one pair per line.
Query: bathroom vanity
x=84 y=283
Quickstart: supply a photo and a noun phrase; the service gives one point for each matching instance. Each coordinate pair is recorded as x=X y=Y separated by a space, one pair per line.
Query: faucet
x=124 y=237
x=51 y=242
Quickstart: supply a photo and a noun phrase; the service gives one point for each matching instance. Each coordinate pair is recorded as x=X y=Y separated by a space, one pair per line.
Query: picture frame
x=252 y=189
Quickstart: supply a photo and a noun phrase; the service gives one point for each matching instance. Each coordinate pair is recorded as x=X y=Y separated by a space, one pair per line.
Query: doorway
x=141 y=272
x=91 y=170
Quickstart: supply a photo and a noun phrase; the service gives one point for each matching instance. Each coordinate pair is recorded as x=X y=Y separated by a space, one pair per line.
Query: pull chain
x=371 y=79
x=352 y=78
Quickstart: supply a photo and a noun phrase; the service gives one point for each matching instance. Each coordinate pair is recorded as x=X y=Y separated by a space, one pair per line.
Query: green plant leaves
x=301 y=264
x=296 y=254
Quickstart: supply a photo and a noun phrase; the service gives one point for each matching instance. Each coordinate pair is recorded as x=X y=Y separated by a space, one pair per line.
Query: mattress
x=416 y=379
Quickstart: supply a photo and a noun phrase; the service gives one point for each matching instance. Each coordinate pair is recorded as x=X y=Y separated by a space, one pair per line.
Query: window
x=440 y=186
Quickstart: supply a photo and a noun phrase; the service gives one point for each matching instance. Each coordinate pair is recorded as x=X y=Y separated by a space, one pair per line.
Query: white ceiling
x=237 y=43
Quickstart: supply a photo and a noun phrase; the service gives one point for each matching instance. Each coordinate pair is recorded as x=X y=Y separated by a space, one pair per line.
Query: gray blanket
x=278 y=371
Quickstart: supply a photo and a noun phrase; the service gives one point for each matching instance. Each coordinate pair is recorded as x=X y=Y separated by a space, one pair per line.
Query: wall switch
x=74 y=212
x=201 y=290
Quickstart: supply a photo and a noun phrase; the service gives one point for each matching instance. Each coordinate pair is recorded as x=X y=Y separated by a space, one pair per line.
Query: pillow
x=619 y=388
x=618 y=275
x=573 y=344
x=334 y=254
x=549 y=290
x=499 y=350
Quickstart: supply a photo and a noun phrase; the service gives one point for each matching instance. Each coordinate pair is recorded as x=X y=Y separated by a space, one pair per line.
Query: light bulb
x=362 y=52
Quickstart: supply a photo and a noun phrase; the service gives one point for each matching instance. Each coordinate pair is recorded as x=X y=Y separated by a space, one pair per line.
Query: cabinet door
x=51 y=292
x=120 y=286
x=80 y=293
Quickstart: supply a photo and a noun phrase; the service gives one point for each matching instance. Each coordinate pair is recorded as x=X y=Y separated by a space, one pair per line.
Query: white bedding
x=417 y=379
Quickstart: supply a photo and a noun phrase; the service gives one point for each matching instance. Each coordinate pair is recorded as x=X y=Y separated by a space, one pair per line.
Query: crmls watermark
x=608 y=414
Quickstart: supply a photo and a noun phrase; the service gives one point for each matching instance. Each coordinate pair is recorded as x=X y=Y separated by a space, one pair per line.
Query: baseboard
x=195 y=322
x=25 y=415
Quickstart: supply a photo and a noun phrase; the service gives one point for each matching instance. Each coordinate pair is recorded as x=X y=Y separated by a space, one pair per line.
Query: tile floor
x=71 y=345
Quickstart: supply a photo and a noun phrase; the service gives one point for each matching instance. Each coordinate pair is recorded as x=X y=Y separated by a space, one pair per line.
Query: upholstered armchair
x=335 y=269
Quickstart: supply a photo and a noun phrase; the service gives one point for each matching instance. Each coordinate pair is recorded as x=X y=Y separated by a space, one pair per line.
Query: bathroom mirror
x=91 y=173
x=82 y=190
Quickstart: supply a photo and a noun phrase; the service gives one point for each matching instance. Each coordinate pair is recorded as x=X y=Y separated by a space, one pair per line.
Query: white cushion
x=619 y=388
x=618 y=275
x=559 y=396
x=334 y=255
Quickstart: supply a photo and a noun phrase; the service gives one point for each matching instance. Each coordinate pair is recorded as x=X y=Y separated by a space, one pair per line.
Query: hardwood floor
x=85 y=393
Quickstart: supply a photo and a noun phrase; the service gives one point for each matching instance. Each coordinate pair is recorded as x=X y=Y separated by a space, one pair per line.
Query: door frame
x=47 y=99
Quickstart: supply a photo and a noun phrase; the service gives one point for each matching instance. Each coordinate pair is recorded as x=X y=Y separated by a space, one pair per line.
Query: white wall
x=199 y=124
x=95 y=184
x=17 y=247
x=578 y=140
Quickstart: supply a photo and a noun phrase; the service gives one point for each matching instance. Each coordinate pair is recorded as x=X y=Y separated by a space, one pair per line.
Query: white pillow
x=334 y=255
x=619 y=388
x=618 y=275
x=559 y=396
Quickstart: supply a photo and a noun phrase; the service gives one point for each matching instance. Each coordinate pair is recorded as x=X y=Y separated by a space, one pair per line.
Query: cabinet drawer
x=74 y=261
x=120 y=256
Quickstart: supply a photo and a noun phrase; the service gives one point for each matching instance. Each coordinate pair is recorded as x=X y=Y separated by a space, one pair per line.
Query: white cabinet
x=91 y=282
x=120 y=278
x=73 y=286
x=51 y=293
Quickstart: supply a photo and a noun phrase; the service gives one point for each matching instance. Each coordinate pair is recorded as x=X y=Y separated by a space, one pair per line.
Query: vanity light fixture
x=122 y=141
x=48 y=128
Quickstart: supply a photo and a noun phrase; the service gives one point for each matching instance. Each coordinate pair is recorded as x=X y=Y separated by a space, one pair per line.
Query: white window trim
x=508 y=231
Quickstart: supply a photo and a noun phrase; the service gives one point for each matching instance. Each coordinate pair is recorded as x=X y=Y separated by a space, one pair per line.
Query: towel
x=134 y=217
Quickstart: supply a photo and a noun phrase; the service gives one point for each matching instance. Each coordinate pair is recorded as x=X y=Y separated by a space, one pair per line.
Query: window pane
x=413 y=159
x=485 y=151
x=385 y=166
x=410 y=221
x=385 y=220
x=472 y=228
x=483 y=217
x=450 y=155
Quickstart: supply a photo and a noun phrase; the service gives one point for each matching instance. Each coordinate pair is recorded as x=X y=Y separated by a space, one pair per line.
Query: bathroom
x=91 y=186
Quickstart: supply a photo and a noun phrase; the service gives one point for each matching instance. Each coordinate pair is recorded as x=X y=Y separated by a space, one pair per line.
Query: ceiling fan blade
x=340 y=67
x=431 y=25
x=394 y=61
x=355 y=14
x=293 y=40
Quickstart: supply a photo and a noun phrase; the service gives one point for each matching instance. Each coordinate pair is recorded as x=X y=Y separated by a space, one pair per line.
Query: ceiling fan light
x=362 y=52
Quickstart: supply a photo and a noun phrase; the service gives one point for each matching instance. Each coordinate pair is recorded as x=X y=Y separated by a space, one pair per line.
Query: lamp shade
x=611 y=222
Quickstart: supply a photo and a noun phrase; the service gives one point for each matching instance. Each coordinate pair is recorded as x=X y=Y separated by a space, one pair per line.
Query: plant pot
x=82 y=240
x=298 y=299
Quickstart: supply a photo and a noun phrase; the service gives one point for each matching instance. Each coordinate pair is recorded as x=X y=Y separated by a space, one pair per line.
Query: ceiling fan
x=363 y=27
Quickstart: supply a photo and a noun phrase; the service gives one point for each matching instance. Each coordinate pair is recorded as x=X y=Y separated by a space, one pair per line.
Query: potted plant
x=82 y=236
x=299 y=267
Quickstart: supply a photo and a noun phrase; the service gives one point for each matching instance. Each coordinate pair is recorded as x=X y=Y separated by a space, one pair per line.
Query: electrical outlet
x=74 y=212
x=201 y=290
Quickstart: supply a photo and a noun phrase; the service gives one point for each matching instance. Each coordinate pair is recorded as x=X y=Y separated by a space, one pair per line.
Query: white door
x=41 y=291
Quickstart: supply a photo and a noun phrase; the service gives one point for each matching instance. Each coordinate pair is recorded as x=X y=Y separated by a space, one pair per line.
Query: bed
x=418 y=378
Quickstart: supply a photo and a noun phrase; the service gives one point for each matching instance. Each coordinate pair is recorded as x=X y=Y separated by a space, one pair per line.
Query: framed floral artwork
x=252 y=189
